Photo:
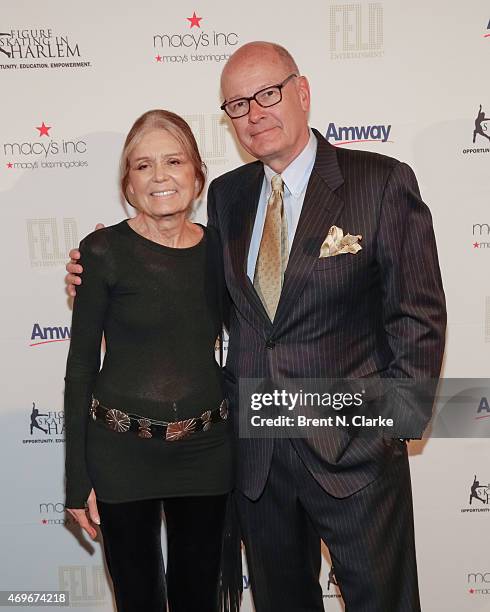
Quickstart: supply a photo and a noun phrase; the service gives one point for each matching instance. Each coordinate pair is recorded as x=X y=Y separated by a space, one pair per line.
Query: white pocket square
x=337 y=244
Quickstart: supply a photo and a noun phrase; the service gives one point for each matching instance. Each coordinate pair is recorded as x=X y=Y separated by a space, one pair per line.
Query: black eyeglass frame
x=279 y=86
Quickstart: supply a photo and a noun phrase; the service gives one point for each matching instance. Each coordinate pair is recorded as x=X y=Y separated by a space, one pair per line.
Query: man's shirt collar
x=297 y=174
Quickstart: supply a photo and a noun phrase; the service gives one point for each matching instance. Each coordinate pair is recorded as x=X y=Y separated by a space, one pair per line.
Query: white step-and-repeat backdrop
x=406 y=79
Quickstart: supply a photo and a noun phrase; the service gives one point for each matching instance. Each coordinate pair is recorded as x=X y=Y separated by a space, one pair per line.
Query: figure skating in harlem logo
x=35 y=414
x=479 y=145
x=7 y=53
x=481 y=125
x=51 y=423
x=38 y=48
x=331 y=579
x=479 y=492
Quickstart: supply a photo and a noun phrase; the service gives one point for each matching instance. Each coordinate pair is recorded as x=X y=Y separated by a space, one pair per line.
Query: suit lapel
x=243 y=217
x=321 y=208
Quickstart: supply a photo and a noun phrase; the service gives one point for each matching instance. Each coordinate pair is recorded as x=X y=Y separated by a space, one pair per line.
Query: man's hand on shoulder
x=74 y=269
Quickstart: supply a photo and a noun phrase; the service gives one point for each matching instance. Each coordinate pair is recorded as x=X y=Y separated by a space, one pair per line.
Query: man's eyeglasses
x=265 y=97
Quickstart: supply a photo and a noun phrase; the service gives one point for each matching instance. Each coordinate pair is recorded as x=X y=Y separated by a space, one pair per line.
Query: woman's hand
x=81 y=515
x=73 y=269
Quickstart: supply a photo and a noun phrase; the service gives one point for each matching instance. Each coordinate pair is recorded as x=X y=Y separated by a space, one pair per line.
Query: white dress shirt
x=295 y=178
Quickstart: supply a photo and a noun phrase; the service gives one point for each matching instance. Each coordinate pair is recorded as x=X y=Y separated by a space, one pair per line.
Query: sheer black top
x=159 y=310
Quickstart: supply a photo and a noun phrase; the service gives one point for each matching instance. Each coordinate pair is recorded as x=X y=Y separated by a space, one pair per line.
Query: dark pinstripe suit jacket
x=379 y=313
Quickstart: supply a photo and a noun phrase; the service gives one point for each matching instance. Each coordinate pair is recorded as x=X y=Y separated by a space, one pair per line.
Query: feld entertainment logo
x=478 y=583
x=356 y=30
x=480 y=135
x=180 y=47
x=210 y=133
x=341 y=135
x=38 y=48
x=51 y=424
x=86 y=584
x=50 y=240
x=40 y=152
x=481 y=230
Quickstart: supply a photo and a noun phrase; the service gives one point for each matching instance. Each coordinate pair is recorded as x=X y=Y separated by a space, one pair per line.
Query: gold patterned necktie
x=273 y=252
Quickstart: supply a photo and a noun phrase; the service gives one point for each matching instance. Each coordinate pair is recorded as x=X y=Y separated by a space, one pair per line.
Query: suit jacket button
x=270 y=344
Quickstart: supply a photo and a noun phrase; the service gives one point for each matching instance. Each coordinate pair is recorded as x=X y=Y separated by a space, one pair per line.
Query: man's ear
x=304 y=93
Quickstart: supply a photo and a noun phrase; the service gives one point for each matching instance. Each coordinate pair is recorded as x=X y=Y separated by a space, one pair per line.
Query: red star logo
x=472 y=591
x=45 y=522
x=158 y=58
x=194 y=20
x=43 y=129
x=476 y=245
x=10 y=165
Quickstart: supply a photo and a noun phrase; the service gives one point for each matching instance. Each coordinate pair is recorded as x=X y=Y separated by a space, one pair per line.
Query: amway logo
x=45 y=335
x=483 y=410
x=341 y=135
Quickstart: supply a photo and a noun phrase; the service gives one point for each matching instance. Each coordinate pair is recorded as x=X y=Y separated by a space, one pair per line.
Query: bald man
x=376 y=312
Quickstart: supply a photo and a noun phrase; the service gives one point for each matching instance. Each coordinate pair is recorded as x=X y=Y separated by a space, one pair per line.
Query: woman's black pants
x=133 y=553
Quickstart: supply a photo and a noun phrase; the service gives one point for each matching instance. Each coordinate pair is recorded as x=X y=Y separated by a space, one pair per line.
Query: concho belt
x=123 y=422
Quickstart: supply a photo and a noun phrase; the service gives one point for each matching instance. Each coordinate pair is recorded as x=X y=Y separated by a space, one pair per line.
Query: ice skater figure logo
x=35 y=414
x=479 y=491
x=331 y=579
x=480 y=125
x=7 y=53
